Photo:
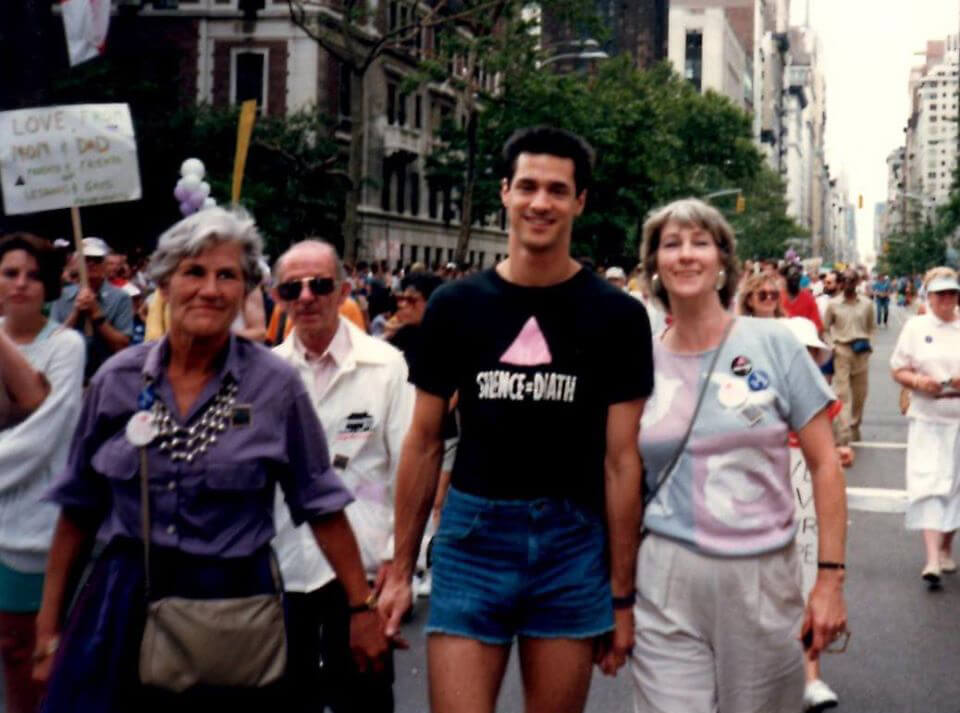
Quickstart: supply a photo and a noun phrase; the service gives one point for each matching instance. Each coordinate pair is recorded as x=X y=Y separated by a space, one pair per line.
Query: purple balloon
x=196 y=200
x=181 y=193
x=186 y=208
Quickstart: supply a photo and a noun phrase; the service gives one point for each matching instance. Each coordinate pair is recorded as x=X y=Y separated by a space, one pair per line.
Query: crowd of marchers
x=216 y=476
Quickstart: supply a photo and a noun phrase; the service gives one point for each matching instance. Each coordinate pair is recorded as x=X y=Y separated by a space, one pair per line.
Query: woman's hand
x=926 y=384
x=826 y=615
x=846 y=456
x=44 y=652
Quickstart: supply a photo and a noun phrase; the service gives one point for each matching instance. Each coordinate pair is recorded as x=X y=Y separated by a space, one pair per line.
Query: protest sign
x=67 y=157
x=806 y=517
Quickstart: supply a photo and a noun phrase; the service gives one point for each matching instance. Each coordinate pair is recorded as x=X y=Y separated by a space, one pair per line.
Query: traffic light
x=741 y=203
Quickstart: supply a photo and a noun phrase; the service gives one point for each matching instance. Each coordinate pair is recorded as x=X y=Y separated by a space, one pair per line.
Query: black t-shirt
x=536 y=368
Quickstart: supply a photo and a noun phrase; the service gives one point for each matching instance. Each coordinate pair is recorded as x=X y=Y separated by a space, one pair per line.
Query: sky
x=868 y=48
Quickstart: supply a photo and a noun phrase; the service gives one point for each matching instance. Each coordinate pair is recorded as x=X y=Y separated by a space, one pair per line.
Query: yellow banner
x=248 y=113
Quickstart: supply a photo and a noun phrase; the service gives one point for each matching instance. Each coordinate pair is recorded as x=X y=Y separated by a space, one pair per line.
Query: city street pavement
x=904 y=654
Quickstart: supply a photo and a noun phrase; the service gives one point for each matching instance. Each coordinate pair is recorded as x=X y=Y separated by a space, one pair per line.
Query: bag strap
x=145 y=520
x=674 y=459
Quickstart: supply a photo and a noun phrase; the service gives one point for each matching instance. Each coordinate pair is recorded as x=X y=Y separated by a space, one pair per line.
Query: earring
x=721 y=280
x=655 y=283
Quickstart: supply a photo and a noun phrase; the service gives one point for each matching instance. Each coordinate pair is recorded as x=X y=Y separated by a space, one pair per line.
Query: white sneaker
x=818 y=696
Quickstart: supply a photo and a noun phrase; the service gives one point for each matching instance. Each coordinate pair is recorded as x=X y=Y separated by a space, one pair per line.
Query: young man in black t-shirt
x=538 y=536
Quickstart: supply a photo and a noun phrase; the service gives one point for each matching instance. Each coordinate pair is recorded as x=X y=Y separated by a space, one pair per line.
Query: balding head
x=310 y=247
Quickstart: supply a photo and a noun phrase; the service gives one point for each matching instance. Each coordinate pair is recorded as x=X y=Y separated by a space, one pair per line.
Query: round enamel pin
x=141 y=430
x=741 y=366
x=732 y=394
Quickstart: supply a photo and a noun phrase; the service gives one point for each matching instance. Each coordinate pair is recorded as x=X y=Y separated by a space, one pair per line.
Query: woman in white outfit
x=927 y=360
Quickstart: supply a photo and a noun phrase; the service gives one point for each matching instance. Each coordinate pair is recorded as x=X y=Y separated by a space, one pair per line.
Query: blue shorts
x=506 y=568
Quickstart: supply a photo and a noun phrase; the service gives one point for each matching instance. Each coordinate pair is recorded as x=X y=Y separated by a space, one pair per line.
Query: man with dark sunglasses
x=358 y=385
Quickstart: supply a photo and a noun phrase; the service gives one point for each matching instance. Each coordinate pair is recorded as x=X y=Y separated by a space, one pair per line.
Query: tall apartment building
x=920 y=173
x=636 y=27
x=222 y=58
x=705 y=48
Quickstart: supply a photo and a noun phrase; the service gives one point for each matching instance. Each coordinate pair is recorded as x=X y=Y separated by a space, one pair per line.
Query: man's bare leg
x=556 y=674
x=465 y=675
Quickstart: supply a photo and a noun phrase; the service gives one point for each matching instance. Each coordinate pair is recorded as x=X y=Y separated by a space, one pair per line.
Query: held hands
x=395 y=600
x=44 y=652
x=612 y=651
x=826 y=614
x=367 y=641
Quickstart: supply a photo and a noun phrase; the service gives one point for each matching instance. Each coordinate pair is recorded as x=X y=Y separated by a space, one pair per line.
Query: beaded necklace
x=181 y=443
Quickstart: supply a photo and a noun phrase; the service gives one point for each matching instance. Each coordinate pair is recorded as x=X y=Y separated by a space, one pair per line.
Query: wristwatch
x=369 y=604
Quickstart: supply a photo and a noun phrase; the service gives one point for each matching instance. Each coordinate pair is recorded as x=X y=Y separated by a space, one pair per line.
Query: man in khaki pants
x=850 y=321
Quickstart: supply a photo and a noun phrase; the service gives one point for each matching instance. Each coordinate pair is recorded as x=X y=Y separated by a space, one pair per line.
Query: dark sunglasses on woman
x=767 y=295
x=319 y=286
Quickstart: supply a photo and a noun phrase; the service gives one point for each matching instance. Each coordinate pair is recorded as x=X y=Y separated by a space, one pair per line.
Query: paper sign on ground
x=65 y=156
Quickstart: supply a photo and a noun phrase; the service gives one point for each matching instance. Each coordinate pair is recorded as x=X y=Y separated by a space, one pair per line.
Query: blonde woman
x=719 y=519
x=760 y=297
x=927 y=360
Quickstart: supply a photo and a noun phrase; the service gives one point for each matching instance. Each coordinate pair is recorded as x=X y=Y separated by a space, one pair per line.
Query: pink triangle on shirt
x=529 y=348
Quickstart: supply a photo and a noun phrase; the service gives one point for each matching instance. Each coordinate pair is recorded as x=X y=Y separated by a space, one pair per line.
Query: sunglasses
x=767 y=295
x=319 y=286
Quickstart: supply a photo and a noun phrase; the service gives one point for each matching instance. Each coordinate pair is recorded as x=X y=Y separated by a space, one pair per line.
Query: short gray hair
x=339 y=272
x=690 y=211
x=201 y=231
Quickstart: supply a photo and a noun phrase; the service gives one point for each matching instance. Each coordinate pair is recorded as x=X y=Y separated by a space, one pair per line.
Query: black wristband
x=831 y=565
x=369 y=604
x=626 y=601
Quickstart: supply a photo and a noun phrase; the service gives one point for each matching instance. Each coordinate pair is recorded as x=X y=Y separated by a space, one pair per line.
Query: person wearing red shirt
x=799 y=302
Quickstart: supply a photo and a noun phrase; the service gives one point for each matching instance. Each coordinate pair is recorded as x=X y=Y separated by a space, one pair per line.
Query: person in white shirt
x=32 y=452
x=359 y=388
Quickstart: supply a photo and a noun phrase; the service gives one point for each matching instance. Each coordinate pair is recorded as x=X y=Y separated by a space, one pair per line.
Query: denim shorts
x=506 y=568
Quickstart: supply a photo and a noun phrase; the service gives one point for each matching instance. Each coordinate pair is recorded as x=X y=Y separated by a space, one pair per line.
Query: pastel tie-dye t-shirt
x=730 y=492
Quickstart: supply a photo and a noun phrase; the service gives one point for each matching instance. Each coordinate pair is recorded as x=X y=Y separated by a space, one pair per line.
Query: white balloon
x=193 y=167
x=209 y=203
x=191 y=183
x=204 y=189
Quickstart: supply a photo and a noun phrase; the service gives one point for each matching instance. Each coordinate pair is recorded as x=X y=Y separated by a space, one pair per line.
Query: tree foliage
x=656 y=139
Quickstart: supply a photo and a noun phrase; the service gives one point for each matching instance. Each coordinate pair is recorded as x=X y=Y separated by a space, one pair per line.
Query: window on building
x=249 y=77
x=402 y=109
x=418 y=112
x=414 y=193
x=401 y=189
x=693 y=64
x=426 y=256
x=473 y=254
x=413 y=253
x=450 y=252
x=391 y=103
x=480 y=258
x=343 y=94
x=432 y=191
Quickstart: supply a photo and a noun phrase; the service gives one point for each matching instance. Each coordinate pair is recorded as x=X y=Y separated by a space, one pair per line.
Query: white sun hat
x=806 y=333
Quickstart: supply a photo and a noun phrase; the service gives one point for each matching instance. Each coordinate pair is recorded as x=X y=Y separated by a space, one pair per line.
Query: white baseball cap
x=806 y=333
x=615 y=273
x=95 y=247
x=943 y=284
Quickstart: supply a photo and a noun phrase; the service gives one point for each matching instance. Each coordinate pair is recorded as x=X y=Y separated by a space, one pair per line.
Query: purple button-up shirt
x=221 y=504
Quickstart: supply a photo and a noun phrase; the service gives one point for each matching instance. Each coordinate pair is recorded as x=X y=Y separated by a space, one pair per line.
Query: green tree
x=656 y=139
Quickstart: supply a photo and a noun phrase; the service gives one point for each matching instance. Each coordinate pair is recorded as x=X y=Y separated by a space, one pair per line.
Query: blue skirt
x=96 y=668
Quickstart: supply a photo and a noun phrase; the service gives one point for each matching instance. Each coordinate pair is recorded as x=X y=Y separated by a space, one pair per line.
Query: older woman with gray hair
x=210 y=422
x=719 y=612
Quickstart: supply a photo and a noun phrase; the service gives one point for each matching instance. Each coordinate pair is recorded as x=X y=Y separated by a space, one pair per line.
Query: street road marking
x=889 y=445
x=888 y=500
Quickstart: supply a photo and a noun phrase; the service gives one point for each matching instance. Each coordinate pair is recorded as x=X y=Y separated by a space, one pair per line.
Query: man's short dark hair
x=423 y=282
x=553 y=142
x=49 y=260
